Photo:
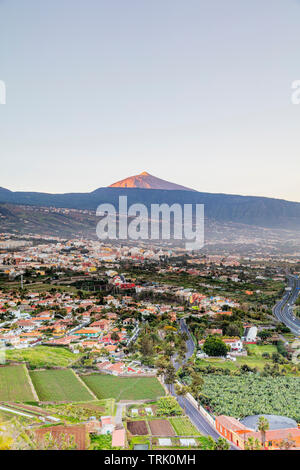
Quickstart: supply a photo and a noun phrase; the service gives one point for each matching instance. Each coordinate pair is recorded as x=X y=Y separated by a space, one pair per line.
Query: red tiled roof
x=118 y=438
x=278 y=434
x=231 y=423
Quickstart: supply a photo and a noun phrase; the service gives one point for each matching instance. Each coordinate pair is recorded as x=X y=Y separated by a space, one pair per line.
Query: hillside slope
x=250 y=210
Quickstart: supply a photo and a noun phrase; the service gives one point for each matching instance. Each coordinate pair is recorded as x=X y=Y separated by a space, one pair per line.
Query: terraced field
x=14 y=384
x=59 y=386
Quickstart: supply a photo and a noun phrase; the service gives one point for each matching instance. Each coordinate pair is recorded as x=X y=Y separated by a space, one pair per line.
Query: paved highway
x=201 y=423
x=195 y=416
x=283 y=310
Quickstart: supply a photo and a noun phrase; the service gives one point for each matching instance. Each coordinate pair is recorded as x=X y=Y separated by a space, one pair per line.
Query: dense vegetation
x=168 y=406
x=251 y=394
x=214 y=346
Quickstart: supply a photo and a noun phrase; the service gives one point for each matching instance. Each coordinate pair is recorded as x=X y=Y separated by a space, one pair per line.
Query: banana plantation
x=251 y=395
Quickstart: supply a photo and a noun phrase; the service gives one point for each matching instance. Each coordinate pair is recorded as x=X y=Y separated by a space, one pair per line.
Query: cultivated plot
x=161 y=427
x=42 y=356
x=59 y=385
x=137 y=428
x=183 y=426
x=131 y=388
x=14 y=384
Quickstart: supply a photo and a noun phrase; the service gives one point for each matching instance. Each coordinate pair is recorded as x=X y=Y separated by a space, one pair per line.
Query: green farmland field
x=43 y=356
x=183 y=426
x=131 y=388
x=14 y=384
x=258 y=350
x=59 y=385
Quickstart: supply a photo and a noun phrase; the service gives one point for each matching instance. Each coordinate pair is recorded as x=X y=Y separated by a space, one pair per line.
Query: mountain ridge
x=250 y=210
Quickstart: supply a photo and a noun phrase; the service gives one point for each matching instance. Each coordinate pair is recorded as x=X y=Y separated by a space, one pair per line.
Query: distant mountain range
x=147 y=189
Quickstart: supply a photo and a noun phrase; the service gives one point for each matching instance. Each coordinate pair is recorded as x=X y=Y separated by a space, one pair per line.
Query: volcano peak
x=146 y=181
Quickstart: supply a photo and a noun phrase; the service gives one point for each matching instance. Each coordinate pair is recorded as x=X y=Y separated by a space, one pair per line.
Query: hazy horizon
x=197 y=93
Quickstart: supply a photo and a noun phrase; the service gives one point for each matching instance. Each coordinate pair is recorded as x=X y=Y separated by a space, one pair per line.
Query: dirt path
x=120 y=407
x=31 y=384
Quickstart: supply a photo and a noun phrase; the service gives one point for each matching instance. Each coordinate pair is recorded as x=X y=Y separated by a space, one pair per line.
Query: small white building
x=251 y=334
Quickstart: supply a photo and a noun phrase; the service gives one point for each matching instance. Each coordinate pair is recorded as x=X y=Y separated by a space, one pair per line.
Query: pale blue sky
x=196 y=92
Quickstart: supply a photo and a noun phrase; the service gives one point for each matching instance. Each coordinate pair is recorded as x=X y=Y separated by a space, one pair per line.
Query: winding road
x=201 y=423
x=283 y=310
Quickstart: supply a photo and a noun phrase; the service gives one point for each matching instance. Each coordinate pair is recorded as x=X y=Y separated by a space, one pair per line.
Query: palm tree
x=196 y=386
x=197 y=380
x=252 y=444
x=182 y=391
x=263 y=426
x=221 y=444
x=170 y=375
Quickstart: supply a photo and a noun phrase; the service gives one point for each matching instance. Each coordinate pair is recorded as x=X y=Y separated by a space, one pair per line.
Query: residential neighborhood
x=101 y=349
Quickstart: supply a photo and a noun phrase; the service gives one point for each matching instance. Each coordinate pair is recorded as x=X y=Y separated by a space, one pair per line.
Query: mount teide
x=147 y=189
x=146 y=181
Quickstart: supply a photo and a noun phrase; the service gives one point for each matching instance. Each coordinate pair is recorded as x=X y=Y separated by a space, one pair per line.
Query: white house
x=235 y=343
